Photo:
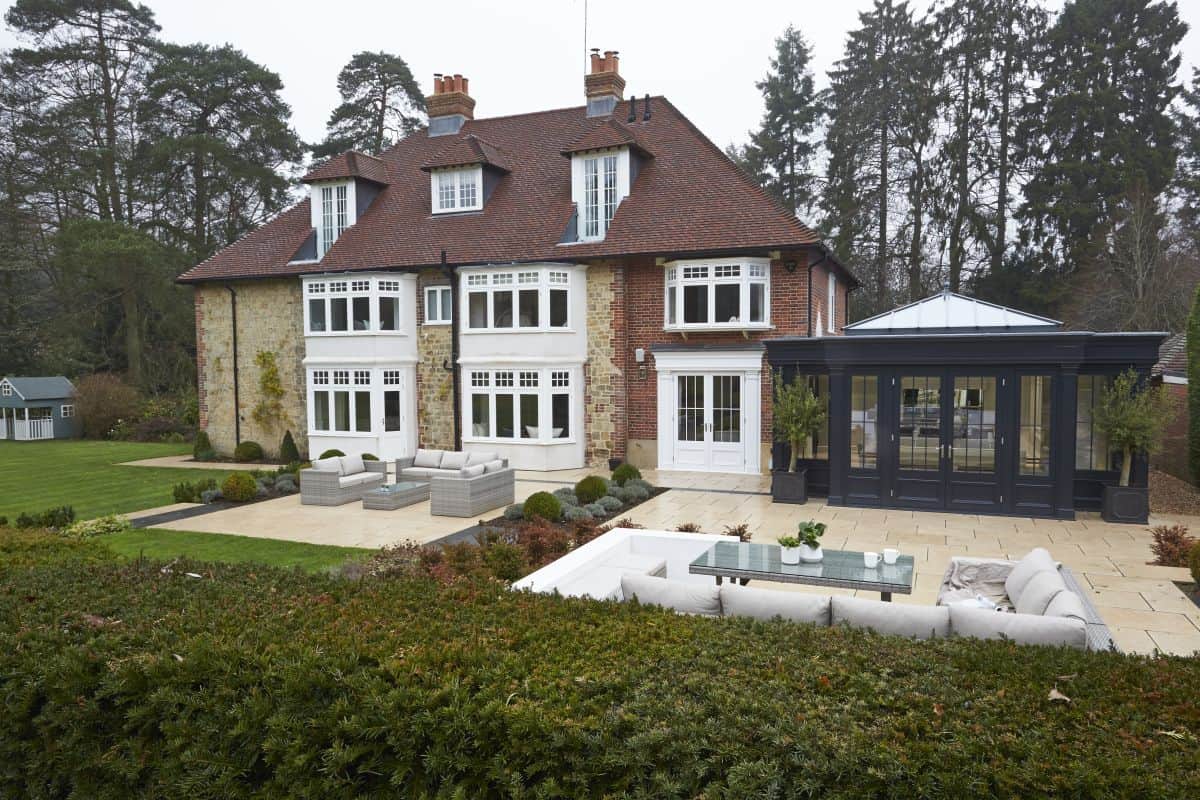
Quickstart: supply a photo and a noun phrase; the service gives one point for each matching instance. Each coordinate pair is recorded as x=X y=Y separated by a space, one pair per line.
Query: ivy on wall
x=268 y=411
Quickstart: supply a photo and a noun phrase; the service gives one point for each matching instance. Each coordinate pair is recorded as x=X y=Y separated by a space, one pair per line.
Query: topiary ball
x=542 y=505
x=248 y=451
x=596 y=510
x=288 y=452
x=625 y=473
x=332 y=453
x=202 y=448
x=239 y=487
x=590 y=489
x=576 y=514
x=610 y=503
x=566 y=496
x=514 y=512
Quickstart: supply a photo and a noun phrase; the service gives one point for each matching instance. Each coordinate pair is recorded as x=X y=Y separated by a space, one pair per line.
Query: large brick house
x=566 y=286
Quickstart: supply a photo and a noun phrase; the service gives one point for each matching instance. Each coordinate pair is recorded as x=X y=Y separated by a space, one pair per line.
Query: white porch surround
x=720 y=401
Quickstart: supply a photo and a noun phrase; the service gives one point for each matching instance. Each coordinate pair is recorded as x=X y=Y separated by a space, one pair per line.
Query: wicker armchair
x=456 y=496
x=328 y=488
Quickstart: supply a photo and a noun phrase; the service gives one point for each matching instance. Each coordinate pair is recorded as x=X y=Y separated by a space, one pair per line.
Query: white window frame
x=831 y=303
x=353 y=381
x=544 y=279
x=67 y=411
x=433 y=311
x=516 y=380
x=597 y=201
x=6 y=389
x=455 y=181
x=711 y=273
x=329 y=288
x=340 y=201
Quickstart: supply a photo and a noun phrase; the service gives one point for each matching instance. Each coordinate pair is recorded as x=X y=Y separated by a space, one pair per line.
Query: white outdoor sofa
x=339 y=480
x=461 y=483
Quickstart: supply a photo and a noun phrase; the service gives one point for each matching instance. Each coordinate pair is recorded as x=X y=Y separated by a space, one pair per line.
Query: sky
x=529 y=55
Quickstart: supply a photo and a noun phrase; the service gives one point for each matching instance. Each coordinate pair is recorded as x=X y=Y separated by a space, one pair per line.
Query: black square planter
x=1128 y=504
x=789 y=487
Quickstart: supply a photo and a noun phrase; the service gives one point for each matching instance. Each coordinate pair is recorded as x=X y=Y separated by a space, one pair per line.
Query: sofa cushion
x=1039 y=591
x=471 y=472
x=686 y=598
x=897 y=619
x=454 y=459
x=493 y=466
x=1067 y=604
x=745 y=601
x=333 y=464
x=481 y=458
x=1037 y=560
x=352 y=465
x=347 y=481
x=426 y=472
x=428 y=458
x=1019 y=628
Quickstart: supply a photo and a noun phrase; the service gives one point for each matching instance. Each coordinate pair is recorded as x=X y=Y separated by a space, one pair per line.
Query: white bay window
x=352 y=306
x=520 y=405
x=726 y=293
x=536 y=298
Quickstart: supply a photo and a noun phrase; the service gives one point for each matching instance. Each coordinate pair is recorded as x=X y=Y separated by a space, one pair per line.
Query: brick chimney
x=604 y=85
x=449 y=106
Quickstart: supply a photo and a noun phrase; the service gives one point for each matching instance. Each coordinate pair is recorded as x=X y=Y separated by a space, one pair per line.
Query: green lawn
x=35 y=476
x=166 y=544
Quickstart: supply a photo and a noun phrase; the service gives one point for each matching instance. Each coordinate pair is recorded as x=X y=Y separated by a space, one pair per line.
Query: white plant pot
x=810 y=555
x=789 y=555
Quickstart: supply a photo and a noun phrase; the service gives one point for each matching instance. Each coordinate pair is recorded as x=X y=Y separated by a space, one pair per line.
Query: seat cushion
x=481 y=458
x=333 y=464
x=428 y=458
x=686 y=598
x=1067 y=604
x=453 y=459
x=493 y=466
x=1019 y=628
x=1037 y=560
x=352 y=465
x=347 y=481
x=426 y=472
x=765 y=604
x=1039 y=591
x=471 y=472
x=897 y=619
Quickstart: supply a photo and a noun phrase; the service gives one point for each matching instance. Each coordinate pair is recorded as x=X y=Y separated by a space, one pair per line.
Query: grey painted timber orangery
x=37 y=408
x=951 y=403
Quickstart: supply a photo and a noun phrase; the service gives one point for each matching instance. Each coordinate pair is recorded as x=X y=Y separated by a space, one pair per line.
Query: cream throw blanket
x=967 y=577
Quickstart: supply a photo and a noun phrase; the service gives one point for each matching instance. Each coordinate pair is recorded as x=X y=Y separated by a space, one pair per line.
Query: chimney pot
x=449 y=106
x=603 y=85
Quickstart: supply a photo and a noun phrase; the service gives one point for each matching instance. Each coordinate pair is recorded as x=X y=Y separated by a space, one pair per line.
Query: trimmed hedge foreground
x=124 y=679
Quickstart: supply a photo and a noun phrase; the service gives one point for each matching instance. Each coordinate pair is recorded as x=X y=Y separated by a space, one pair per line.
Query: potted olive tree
x=1132 y=416
x=798 y=414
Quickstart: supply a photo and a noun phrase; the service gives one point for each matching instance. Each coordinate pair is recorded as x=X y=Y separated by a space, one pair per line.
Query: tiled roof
x=465 y=151
x=688 y=199
x=350 y=164
x=1172 y=357
x=607 y=133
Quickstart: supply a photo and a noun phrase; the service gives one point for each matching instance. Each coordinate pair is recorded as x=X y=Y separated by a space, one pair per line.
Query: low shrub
x=623 y=493
x=3 y=521
x=159 y=429
x=566 y=496
x=688 y=527
x=1172 y=545
x=649 y=487
x=1194 y=565
x=635 y=494
x=741 y=530
x=248 y=451
x=105 y=403
x=332 y=452
x=100 y=526
x=514 y=512
x=57 y=518
x=369 y=457
x=542 y=505
x=505 y=560
x=288 y=452
x=625 y=473
x=211 y=496
x=610 y=503
x=627 y=522
x=239 y=487
x=188 y=492
x=590 y=489
x=597 y=510
x=576 y=514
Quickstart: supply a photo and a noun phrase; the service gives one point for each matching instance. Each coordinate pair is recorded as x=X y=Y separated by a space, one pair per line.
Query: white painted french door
x=392 y=434
x=709 y=423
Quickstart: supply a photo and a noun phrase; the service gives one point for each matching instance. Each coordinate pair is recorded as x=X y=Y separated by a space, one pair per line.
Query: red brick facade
x=1173 y=457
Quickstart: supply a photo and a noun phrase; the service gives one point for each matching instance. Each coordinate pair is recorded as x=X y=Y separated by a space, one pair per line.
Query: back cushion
x=454 y=460
x=480 y=458
x=897 y=619
x=1067 y=604
x=352 y=465
x=686 y=598
x=744 y=601
x=333 y=464
x=428 y=458
x=1020 y=628
x=1041 y=589
x=471 y=472
x=1036 y=561
x=493 y=466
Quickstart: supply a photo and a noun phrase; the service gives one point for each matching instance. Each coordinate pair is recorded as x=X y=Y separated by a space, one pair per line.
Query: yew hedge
x=128 y=679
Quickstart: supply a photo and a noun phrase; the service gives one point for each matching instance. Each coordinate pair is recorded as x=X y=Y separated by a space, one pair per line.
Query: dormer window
x=457 y=190
x=333 y=211
x=599 y=182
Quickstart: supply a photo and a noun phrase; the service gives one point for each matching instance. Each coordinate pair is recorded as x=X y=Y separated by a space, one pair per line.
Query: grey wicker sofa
x=461 y=484
x=340 y=480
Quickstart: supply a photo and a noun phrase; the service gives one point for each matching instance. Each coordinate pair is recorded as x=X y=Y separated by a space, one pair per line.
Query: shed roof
x=1172 y=357
x=54 y=388
x=948 y=311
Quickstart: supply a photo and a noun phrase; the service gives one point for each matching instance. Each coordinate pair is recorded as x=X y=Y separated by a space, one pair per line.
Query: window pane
x=670 y=305
x=341 y=411
x=362 y=313
x=1091 y=446
x=502 y=310
x=480 y=418
x=529 y=416
x=758 y=296
x=560 y=412
x=974 y=423
x=1034 y=457
x=321 y=411
x=446 y=190
x=529 y=307
x=478 y=309
x=316 y=315
x=504 y=416
x=431 y=306
x=610 y=190
x=362 y=412
x=391 y=411
x=337 y=307
x=447 y=308
x=389 y=313
x=864 y=414
x=690 y=411
x=695 y=304
x=558 y=308
x=727 y=408
x=466 y=189
x=591 y=197
x=920 y=435
x=728 y=302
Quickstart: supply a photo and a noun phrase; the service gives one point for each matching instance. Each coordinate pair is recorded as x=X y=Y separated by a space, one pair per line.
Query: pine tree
x=1193 y=374
x=381 y=103
x=1188 y=173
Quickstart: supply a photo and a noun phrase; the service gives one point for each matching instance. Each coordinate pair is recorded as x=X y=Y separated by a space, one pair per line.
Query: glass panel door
x=920 y=431
x=974 y=421
x=727 y=453
x=691 y=408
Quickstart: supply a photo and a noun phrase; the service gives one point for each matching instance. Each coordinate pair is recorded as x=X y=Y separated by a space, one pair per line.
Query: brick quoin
x=201 y=361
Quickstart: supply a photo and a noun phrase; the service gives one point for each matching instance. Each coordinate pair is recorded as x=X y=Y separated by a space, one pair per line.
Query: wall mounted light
x=790 y=266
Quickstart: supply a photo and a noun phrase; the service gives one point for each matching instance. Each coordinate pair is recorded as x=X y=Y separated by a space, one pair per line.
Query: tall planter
x=1126 y=504
x=797 y=414
x=789 y=487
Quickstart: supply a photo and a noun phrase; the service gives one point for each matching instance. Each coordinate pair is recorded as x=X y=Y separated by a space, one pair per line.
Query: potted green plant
x=810 y=533
x=1132 y=416
x=797 y=415
x=789 y=549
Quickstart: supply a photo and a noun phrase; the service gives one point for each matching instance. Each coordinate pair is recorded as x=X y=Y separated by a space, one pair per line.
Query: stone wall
x=270 y=320
x=435 y=384
x=605 y=419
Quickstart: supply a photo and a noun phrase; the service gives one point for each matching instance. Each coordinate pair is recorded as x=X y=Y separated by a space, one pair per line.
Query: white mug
x=890 y=554
x=871 y=560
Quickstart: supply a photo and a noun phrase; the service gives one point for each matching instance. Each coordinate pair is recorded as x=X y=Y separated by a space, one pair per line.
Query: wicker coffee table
x=396 y=495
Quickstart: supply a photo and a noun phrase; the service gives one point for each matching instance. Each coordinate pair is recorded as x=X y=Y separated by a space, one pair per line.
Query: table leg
x=885 y=597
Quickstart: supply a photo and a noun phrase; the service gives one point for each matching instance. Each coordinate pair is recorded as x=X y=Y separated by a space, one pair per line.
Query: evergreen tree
x=781 y=150
x=1193 y=374
x=1188 y=173
x=381 y=103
